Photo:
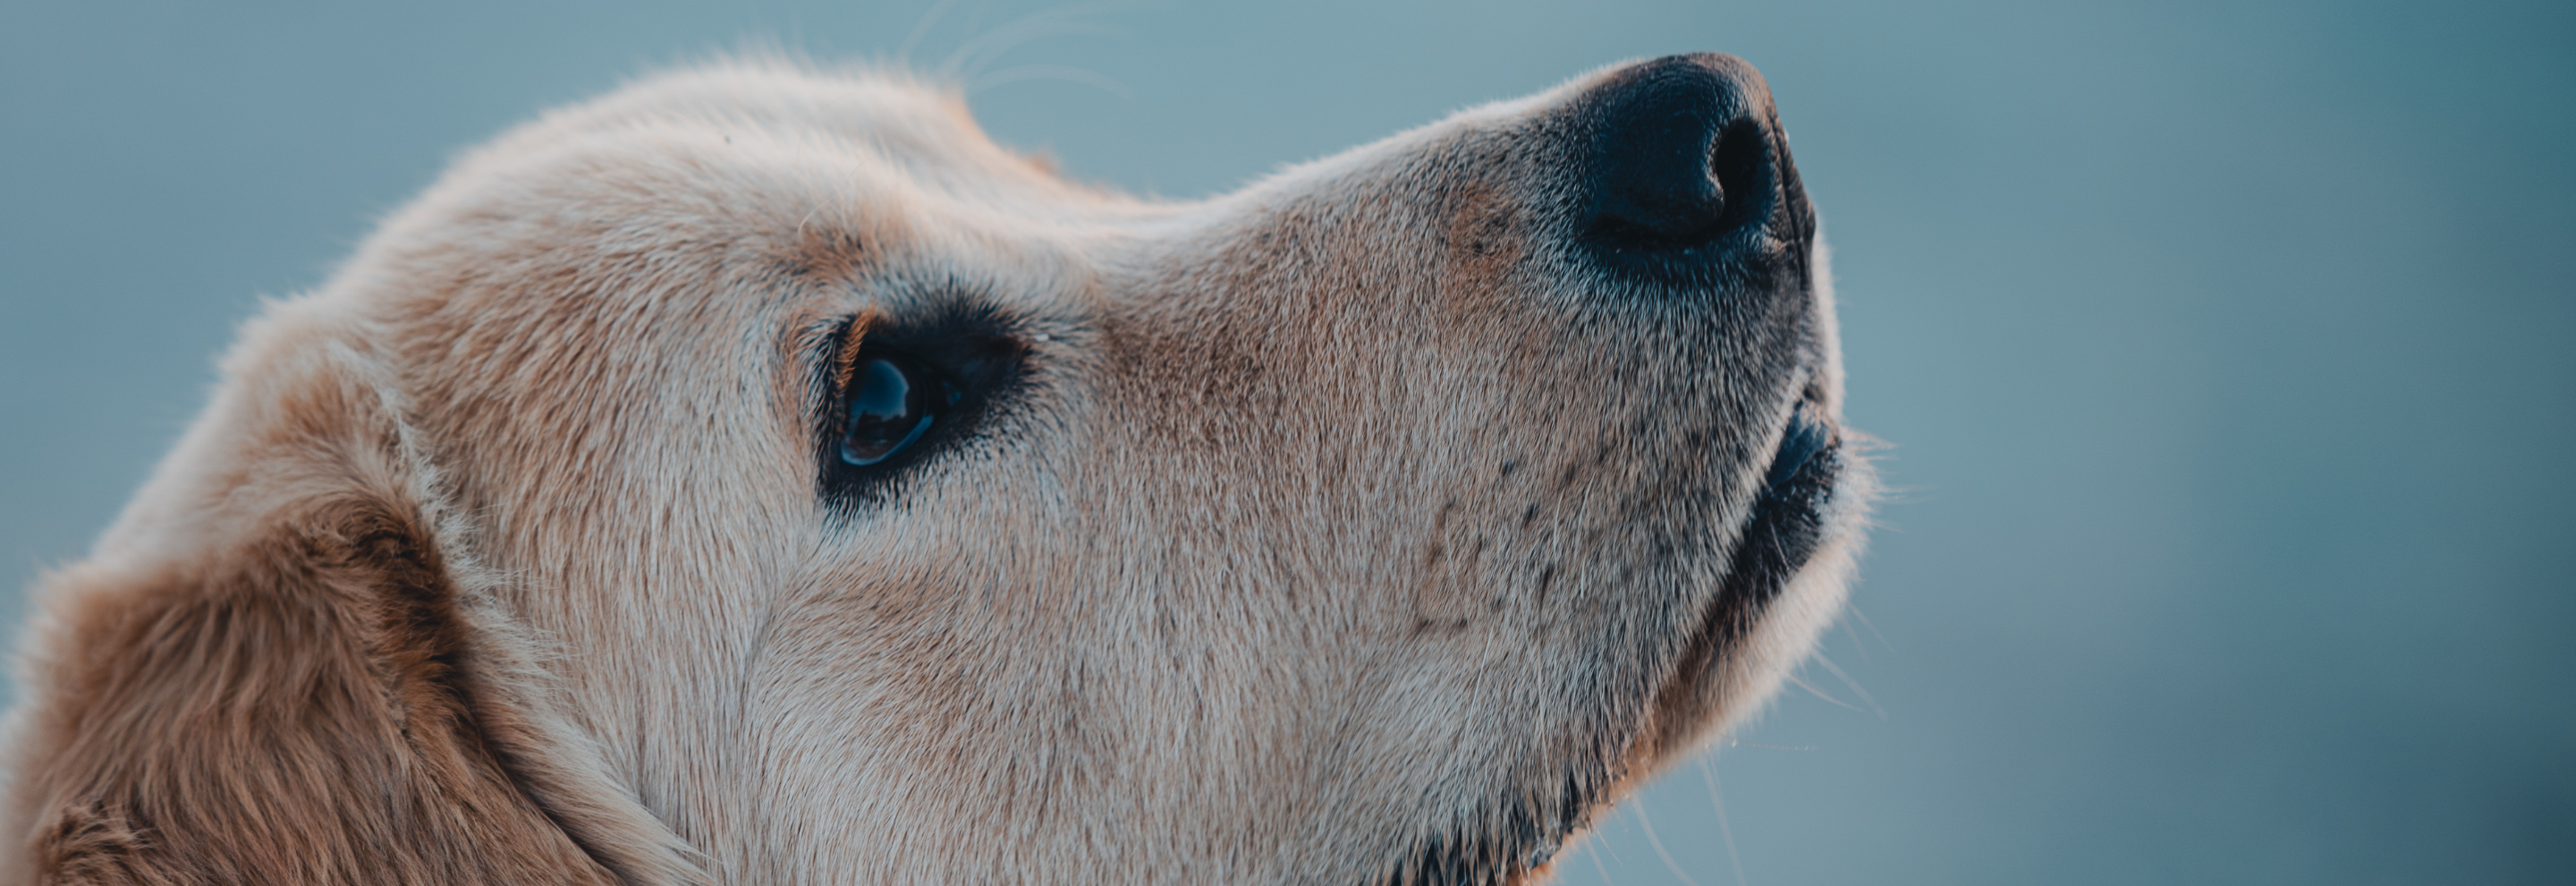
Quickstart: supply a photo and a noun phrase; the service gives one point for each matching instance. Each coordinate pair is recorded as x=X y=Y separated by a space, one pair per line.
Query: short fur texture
x=1351 y=528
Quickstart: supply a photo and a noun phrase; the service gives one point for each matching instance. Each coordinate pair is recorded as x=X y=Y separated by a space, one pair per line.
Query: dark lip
x=1787 y=524
x=1784 y=530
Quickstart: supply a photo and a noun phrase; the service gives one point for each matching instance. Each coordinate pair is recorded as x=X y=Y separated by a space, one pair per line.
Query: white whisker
x=1708 y=772
x=1064 y=73
x=1855 y=685
x=1658 y=843
x=1857 y=645
x=920 y=29
x=1873 y=629
x=971 y=57
x=1819 y=693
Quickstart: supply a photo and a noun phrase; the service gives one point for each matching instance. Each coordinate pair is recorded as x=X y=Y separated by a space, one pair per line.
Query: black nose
x=1685 y=159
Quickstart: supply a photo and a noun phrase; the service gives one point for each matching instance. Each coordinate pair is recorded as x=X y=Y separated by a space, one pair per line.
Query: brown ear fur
x=269 y=675
x=300 y=716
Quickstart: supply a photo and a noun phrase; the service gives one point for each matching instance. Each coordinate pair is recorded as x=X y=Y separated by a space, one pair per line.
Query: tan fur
x=499 y=558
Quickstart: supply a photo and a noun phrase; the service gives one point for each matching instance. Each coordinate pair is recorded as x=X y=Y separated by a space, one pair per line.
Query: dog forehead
x=715 y=195
x=887 y=123
x=754 y=158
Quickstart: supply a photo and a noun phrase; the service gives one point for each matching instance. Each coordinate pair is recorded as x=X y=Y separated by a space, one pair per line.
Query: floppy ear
x=270 y=674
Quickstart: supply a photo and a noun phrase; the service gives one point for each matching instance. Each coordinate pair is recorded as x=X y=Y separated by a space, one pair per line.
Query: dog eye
x=892 y=402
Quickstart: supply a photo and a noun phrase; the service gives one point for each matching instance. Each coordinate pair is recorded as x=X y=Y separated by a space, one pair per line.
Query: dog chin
x=1785 y=583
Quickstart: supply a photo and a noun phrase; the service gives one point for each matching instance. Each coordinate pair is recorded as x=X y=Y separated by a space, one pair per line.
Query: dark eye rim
x=971 y=349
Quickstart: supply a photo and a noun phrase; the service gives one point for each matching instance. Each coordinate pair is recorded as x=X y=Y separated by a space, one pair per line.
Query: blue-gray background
x=2224 y=348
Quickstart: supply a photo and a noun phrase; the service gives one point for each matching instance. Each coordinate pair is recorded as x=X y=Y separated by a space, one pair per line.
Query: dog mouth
x=1789 y=522
x=1787 y=525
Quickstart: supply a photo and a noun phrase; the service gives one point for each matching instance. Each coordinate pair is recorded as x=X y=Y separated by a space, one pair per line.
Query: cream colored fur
x=1325 y=533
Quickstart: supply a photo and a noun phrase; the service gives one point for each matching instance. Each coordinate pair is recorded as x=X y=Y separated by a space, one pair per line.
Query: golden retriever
x=757 y=476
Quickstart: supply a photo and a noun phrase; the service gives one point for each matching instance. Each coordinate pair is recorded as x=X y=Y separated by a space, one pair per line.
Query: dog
x=757 y=475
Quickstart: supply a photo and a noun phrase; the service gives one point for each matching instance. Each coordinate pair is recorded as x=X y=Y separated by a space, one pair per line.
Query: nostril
x=1741 y=165
x=1681 y=154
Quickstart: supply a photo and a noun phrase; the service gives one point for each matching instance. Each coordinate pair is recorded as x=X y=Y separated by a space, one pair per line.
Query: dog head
x=757 y=475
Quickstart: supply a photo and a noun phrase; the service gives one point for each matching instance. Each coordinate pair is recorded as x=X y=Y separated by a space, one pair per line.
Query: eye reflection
x=891 y=404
